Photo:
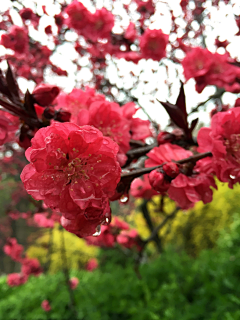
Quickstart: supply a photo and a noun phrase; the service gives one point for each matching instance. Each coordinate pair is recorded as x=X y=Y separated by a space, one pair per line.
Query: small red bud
x=49 y=113
x=26 y=13
x=171 y=169
x=158 y=182
x=48 y=30
x=44 y=94
x=62 y=116
x=164 y=137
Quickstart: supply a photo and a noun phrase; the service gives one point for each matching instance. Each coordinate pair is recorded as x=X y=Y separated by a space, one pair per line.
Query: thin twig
x=141 y=150
x=138 y=172
x=148 y=219
x=216 y=95
x=50 y=250
x=66 y=274
x=161 y=225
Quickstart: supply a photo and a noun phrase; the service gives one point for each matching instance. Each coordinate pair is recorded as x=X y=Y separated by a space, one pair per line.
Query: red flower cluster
x=108 y=235
x=115 y=122
x=16 y=39
x=92 y=26
x=42 y=221
x=129 y=239
x=223 y=140
x=92 y=264
x=13 y=249
x=29 y=266
x=73 y=282
x=141 y=188
x=9 y=124
x=184 y=184
x=74 y=170
x=46 y=305
x=211 y=69
x=108 y=118
x=153 y=44
x=16 y=279
x=77 y=100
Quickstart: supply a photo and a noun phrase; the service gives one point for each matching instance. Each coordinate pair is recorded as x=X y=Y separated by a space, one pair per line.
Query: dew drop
x=124 y=198
x=232 y=177
x=107 y=220
x=98 y=231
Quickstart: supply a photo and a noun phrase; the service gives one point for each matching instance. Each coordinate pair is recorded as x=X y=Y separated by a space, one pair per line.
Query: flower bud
x=62 y=116
x=48 y=30
x=158 y=182
x=44 y=94
x=49 y=113
x=46 y=306
x=73 y=282
x=171 y=169
x=164 y=137
x=26 y=13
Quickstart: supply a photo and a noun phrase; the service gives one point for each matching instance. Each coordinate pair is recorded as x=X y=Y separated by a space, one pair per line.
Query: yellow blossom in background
x=49 y=250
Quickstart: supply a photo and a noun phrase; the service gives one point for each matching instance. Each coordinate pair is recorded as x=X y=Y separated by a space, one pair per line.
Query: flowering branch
x=127 y=177
x=138 y=172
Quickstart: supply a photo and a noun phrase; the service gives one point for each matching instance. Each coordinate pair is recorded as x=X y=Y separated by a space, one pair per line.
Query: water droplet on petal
x=107 y=220
x=98 y=231
x=124 y=198
x=232 y=177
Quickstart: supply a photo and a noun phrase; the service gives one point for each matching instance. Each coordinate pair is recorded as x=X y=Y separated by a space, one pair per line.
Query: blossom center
x=77 y=169
x=199 y=65
x=153 y=45
x=99 y=24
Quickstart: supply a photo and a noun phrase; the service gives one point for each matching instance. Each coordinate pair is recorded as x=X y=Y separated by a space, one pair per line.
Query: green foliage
x=196 y=229
x=174 y=286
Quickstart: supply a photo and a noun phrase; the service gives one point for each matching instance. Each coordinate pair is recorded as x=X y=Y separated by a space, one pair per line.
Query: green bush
x=174 y=286
x=198 y=228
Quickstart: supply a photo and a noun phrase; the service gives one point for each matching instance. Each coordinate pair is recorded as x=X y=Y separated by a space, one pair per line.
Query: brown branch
x=216 y=95
x=139 y=172
x=161 y=225
x=148 y=220
x=141 y=151
x=66 y=274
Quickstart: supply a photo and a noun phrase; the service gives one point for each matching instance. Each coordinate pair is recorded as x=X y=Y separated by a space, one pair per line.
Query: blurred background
x=191 y=267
